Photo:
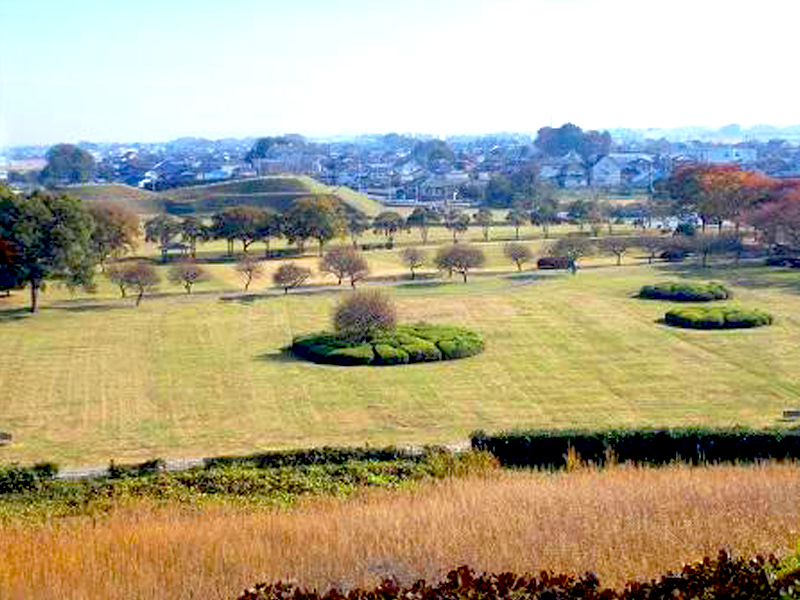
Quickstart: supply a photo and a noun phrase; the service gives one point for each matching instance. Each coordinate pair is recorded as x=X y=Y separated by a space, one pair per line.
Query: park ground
x=90 y=379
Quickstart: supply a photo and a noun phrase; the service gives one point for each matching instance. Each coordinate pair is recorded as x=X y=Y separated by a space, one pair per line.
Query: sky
x=154 y=70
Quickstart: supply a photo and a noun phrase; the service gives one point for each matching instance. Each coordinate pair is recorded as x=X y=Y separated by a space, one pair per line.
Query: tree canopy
x=51 y=236
x=67 y=163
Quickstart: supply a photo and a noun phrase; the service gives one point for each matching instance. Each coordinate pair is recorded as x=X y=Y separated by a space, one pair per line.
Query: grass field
x=621 y=523
x=198 y=376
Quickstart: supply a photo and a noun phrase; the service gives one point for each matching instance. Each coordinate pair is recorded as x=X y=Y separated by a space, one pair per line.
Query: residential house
x=624 y=169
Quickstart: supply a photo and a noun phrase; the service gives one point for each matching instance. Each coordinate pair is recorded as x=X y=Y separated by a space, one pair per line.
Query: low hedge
x=724 y=317
x=407 y=344
x=686 y=292
x=550 y=449
x=722 y=578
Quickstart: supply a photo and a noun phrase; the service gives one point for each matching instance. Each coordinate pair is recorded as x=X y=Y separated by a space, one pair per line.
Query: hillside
x=140 y=200
x=276 y=192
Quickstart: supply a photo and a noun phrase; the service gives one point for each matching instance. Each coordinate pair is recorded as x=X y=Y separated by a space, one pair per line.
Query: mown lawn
x=199 y=376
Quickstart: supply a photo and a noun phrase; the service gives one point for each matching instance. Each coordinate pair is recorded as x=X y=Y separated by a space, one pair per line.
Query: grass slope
x=197 y=376
x=276 y=192
x=142 y=201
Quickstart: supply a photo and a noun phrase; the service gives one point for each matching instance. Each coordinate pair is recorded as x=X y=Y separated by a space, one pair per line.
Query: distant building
x=718 y=154
x=624 y=169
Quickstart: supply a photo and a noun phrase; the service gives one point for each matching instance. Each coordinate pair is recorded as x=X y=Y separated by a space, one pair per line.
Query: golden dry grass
x=621 y=523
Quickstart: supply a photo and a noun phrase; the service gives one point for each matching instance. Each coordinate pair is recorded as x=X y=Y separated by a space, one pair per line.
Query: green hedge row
x=16 y=479
x=550 y=448
x=407 y=344
x=723 y=578
x=686 y=292
x=722 y=317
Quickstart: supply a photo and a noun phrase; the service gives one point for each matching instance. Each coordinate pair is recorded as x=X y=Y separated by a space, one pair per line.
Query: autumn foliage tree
x=116 y=230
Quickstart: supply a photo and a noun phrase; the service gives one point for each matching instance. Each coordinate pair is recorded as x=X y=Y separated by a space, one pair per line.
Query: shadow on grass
x=423 y=285
x=88 y=308
x=747 y=275
x=525 y=277
x=284 y=355
x=14 y=314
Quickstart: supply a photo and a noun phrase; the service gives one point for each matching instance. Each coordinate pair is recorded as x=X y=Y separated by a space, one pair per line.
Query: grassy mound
x=407 y=344
x=276 y=192
x=724 y=317
x=686 y=292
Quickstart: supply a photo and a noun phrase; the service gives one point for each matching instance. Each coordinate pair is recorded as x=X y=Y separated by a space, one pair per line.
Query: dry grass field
x=199 y=376
x=621 y=523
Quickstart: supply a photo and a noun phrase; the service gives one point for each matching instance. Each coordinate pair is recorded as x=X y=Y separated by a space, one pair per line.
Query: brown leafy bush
x=721 y=578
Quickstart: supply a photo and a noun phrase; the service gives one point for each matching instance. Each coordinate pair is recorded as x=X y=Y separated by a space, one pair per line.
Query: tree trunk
x=464 y=275
x=485 y=234
x=139 y=297
x=163 y=254
x=619 y=259
x=321 y=244
x=352 y=283
x=519 y=266
x=188 y=287
x=247 y=283
x=455 y=241
x=517 y=231
x=285 y=290
x=413 y=274
x=546 y=229
x=266 y=247
x=34 y=296
x=424 y=232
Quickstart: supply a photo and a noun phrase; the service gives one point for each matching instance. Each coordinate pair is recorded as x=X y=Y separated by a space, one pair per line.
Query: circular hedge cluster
x=723 y=317
x=406 y=344
x=686 y=292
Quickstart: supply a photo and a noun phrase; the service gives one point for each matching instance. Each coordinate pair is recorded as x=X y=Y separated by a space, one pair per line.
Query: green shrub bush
x=390 y=355
x=550 y=448
x=723 y=317
x=686 y=292
x=407 y=344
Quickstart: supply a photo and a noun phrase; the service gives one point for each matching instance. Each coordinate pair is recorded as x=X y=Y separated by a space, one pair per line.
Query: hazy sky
x=149 y=70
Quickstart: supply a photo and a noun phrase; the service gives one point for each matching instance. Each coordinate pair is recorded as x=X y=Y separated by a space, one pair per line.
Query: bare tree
x=290 y=275
x=460 y=258
x=652 y=243
x=344 y=261
x=187 y=273
x=413 y=258
x=517 y=253
x=617 y=246
x=365 y=314
x=139 y=275
x=249 y=268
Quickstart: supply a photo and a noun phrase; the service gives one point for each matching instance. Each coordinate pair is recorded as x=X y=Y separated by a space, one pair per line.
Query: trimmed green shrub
x=407 y=344
x=390 y=355
x=363 y=354
x=550 y=448
x=686 y=292
x=723 y=317
x=422 y=351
